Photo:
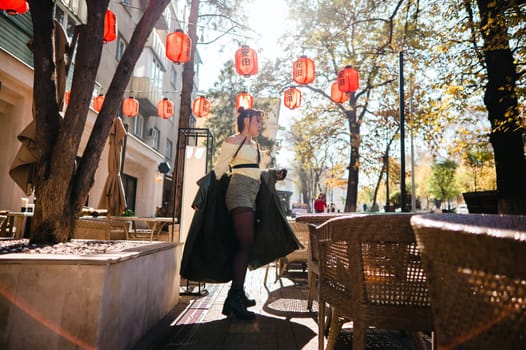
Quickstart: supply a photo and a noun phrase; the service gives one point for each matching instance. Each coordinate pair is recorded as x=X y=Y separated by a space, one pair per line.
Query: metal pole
x=402 y=136
x=413 y=188
x=386 y=161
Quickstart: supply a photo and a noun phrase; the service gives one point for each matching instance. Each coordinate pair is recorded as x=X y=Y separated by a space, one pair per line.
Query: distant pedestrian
x=320 y=204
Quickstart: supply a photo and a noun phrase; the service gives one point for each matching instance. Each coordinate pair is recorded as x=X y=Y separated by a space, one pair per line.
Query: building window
x=155 y=138
x=66 y=21
x=157 y=75
x=138 y=126
x=130 y=188
x=169 y=149
x=121 y=46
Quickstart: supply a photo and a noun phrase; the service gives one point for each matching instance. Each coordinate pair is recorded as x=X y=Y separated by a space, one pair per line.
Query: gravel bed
x=70 y=248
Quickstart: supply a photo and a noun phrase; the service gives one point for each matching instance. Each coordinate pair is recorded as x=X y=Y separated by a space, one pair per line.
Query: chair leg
x=328 y=320
x=321 y=324
x=416 y=338
x=334 y=331
x=312 y=284
x=266 y=274
x=276 y=270
x=358 y=337
x=283 y=267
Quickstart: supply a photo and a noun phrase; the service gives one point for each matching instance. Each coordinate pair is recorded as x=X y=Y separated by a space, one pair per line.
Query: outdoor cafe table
x=319 y=218
x=155 y=224
x=20 y=220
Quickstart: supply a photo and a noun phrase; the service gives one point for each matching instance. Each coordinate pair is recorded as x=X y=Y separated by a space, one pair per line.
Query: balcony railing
x=148 y=95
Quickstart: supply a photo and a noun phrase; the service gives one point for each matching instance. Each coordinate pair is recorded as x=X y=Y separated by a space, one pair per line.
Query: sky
x=268 y=18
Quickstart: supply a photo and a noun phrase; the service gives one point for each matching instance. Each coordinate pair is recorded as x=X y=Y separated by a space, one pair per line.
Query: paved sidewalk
x=282 y=322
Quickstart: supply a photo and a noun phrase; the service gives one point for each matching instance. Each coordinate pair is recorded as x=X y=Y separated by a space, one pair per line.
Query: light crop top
x=247 y=154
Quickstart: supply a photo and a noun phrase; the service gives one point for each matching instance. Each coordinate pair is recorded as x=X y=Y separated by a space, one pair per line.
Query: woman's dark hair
x=244 y=113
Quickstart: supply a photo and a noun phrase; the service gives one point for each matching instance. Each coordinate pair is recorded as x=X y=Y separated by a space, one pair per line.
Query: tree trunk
x=61 y=188
x=354 y=161
x=501 y=101
x=185 y=113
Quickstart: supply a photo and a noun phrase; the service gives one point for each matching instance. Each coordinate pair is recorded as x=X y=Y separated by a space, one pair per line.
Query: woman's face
x=254 y=125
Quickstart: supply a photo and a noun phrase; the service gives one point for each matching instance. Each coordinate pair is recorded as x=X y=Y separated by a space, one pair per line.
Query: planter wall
x=107 y=301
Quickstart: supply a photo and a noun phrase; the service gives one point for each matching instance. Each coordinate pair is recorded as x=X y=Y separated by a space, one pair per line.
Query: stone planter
x=105 y=301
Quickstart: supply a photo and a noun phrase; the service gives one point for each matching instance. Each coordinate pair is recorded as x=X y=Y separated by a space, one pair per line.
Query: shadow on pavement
x=287 y=302
x=264 y=332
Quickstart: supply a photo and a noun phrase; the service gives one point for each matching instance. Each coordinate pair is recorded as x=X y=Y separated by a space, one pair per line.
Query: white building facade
x=151 y=139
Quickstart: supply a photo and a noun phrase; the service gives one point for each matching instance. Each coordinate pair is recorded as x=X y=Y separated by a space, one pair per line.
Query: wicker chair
x=300 y=255
x=477 y=278
x=313 y=268
x=371 y=274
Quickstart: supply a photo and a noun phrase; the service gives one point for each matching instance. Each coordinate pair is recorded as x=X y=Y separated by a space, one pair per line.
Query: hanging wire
x=175 y=19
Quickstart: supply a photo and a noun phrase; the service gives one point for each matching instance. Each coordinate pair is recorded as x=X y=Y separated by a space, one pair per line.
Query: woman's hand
x=281 y=174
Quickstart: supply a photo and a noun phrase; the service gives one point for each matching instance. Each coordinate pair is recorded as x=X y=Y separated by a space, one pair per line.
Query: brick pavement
x=282 y=322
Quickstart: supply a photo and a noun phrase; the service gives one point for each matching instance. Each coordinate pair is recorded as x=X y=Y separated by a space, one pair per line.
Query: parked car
x=462 y=209
x=298 y=209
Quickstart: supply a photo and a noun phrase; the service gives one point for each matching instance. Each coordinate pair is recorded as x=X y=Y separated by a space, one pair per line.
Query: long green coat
x=210 y=245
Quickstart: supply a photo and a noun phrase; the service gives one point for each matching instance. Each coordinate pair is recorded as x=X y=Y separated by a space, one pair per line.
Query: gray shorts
x=241 y=192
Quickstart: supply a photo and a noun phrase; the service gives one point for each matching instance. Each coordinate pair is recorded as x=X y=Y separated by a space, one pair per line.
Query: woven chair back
x=477 y=278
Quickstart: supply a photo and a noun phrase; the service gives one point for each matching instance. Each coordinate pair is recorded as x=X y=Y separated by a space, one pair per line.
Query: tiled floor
x=283 y=321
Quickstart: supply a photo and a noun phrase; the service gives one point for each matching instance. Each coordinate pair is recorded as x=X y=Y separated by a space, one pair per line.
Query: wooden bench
x=101 y=228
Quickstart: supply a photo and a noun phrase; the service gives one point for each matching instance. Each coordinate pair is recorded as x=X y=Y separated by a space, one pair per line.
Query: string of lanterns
x=178 y=50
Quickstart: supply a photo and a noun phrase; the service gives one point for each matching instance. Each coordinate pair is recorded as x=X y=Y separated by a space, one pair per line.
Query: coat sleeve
x=203 y=183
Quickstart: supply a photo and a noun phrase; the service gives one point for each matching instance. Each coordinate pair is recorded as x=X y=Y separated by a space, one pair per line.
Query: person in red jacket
x=320 y=204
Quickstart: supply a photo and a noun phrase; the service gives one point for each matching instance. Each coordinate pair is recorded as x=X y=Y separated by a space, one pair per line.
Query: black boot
x=234 y=306
x=246 y=301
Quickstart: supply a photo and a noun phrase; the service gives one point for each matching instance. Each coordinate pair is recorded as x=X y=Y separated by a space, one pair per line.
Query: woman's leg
x=236 y=303
x=244 y=221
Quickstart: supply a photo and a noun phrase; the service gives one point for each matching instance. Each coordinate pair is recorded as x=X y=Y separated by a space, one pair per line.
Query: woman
x=320 y=204
x=241 y=153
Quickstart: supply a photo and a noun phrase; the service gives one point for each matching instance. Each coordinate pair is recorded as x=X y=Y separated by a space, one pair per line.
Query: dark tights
x=244 y=220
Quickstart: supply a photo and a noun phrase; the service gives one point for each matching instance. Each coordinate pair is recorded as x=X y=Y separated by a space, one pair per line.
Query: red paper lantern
x=303 y=70
x=348 y=79
x=67 y=96
x=292 y=98
x=165 y=108
x=244 y=100
x=14 y=7
x=110 y=26
x=178 y=46
x=337 y=95
x=246 y=61
x=130 y=107
x=201 y=107
x=97 y=102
